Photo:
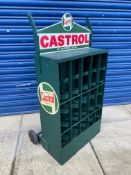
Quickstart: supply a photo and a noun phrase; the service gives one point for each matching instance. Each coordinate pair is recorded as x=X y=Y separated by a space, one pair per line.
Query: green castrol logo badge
x=48 y=98
x=67 y=21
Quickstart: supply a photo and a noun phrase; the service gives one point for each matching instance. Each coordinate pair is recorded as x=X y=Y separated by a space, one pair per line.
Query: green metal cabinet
x=78 y=78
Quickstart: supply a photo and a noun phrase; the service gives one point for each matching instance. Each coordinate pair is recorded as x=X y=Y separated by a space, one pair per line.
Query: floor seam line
x=102 y=169
x=103 y=122
x=16 y=148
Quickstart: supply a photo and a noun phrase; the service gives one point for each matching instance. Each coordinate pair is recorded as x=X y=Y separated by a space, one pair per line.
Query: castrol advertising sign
x=63 y=35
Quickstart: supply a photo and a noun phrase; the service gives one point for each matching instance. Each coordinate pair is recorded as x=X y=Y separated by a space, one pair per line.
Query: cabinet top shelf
x=68 y=55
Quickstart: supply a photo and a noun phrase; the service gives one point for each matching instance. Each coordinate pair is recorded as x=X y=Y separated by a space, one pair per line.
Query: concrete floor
x=109 y=153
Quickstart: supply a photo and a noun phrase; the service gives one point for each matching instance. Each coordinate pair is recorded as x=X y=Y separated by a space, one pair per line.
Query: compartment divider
x=70 y=96
x=89 y=88
x=80 y=91
x=97 y=82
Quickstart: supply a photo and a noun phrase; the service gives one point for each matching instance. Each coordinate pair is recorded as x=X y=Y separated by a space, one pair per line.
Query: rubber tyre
x=33 y=137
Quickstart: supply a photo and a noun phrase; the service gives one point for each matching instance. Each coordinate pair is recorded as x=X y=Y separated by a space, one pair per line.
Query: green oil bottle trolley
x=70 y=87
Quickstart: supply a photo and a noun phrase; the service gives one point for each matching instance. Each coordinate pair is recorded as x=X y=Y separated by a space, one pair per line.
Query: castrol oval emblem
x=67 y=21
x=48 y=98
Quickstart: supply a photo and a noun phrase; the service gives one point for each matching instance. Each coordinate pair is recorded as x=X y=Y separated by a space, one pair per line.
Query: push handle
x=34 y=32
x=36 y=42
x=90 y=28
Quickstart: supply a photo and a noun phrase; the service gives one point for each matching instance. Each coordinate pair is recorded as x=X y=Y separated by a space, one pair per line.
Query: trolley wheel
x=33 y=137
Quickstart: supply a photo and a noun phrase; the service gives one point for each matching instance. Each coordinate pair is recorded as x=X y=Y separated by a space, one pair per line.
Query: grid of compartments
x=81 y=90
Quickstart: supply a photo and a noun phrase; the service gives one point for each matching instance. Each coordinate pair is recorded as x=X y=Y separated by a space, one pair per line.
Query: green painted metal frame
x=72 y=92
